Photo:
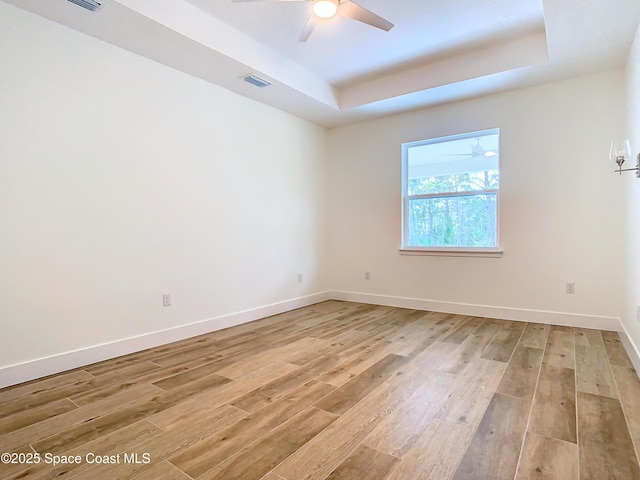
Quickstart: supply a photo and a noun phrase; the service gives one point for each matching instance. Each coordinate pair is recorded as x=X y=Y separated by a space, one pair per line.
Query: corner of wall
x=630 y=324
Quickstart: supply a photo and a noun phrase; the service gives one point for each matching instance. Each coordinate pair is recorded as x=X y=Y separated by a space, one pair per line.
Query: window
x=450 y=189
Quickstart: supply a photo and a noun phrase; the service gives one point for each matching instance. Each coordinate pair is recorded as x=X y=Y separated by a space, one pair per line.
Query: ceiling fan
x=477 y=150
x=325 y=9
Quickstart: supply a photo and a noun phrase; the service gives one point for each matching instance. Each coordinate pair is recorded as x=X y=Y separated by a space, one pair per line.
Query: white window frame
x=446 y=250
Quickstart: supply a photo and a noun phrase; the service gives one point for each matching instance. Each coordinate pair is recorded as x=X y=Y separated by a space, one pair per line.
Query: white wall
x=121 y=179
x=632 y=198
x=560 y=217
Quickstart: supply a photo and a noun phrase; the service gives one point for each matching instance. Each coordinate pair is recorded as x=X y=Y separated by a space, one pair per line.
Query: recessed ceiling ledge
x=502 y=57
x=191 y=22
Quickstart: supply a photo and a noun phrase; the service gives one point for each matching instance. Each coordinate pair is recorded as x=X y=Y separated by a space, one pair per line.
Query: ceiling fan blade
x=361 y=14
x=308 y=28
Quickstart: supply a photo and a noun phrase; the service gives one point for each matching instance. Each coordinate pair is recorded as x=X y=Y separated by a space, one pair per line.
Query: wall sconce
x=621 y=151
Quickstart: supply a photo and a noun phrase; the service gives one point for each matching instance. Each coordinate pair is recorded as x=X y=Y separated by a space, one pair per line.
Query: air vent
x=90 y=5
x=255 y=80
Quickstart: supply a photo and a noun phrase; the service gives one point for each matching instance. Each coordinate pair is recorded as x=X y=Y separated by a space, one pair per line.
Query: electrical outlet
x=638 y=312
x=367 y=275
x=166 y=299
x=571 y=287
x=299 y=278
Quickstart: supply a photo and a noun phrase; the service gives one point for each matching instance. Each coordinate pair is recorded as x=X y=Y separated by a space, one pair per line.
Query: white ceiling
x=438 y=51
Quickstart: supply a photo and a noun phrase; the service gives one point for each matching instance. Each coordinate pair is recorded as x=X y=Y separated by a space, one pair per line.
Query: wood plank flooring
x=339 y=391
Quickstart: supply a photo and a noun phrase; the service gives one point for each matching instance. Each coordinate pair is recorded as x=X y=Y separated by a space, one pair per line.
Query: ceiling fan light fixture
x=325 y=8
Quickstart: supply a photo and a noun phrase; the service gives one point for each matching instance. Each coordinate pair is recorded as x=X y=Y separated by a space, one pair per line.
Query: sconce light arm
x=634 y=169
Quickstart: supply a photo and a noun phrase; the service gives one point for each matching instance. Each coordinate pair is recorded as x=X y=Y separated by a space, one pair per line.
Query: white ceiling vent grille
x=253 y=79
x=90 y=5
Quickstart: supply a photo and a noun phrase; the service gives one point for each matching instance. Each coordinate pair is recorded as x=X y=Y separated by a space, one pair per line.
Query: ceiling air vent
x=90 y=5
x=254 y=80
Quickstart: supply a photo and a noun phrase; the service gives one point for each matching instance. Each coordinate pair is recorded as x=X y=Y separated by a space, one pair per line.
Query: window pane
x=440 y=169
x=467 y=153
x=465 y=221
x=461 y=182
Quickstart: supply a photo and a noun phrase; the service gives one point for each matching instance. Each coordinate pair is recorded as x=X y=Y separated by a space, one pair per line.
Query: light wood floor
x=342 y=391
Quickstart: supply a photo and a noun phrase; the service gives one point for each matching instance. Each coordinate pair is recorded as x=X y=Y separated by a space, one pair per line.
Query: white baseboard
x=41 y=367
x=505 y=313
x=630 y=346
x=613 y=324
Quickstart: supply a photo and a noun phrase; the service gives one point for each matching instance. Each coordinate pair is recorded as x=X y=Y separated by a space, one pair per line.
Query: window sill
x=453 y=252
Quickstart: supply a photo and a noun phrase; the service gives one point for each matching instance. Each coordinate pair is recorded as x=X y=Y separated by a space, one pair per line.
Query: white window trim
x=489 y=252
